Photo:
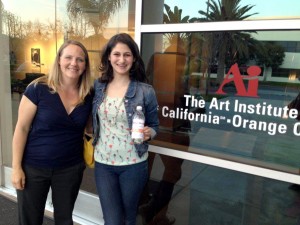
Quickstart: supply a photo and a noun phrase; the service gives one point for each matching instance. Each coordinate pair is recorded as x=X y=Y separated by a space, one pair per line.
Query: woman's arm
x=26 y=113
x=152 y=121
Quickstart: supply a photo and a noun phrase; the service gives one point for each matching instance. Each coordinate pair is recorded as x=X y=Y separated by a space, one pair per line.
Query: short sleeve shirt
x=56 y=137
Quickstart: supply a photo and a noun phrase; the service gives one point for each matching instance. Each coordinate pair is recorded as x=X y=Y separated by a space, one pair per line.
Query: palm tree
x=178 y=42
x=175 y=16
x=272 y=56
x=91 y=8
x=228 y=43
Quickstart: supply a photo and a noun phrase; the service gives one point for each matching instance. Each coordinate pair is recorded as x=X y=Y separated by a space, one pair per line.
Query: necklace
x=112 y=107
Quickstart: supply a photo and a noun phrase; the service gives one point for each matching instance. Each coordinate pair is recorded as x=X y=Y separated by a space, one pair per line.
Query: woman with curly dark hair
x=121 y=168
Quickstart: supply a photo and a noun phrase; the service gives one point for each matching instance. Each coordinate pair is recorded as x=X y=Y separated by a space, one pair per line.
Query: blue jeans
x=119 y=189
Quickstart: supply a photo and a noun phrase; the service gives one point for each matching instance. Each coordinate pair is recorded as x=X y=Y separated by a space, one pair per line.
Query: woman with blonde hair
x=47 y=142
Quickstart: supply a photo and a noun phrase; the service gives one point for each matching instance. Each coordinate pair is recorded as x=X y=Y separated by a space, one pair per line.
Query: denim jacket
x=137 y=94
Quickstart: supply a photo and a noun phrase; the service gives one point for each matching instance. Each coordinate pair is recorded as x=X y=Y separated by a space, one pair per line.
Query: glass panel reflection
x=225 y=94
x=31 y=46
x=189 y=193
x=35 y=31
x=189 y=11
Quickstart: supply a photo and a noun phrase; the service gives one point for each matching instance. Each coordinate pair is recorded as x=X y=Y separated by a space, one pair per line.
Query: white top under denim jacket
x=137 y=94
x=115 y=146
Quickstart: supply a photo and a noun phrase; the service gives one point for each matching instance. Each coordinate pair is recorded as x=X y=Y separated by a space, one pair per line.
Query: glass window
x=170 y=11
x=290 y=46
x=32 y=34
x=192 y=193
x=225 y=94
x=30 y=42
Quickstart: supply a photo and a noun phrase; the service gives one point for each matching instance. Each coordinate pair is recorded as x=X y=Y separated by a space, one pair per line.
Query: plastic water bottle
x=138 y=122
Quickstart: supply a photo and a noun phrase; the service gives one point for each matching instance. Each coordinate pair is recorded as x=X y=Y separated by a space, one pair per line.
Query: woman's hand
x=147 y=133
x=18 y=179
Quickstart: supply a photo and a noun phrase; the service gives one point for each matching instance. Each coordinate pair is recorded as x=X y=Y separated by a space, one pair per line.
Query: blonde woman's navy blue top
x=55 y=138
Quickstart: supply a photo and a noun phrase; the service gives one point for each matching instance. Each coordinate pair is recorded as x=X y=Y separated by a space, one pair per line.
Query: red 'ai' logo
x=237 y=78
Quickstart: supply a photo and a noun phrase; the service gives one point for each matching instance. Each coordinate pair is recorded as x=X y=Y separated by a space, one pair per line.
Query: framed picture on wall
x=35 y=56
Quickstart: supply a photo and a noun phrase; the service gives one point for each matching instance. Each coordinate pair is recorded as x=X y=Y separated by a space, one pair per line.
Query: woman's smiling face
x=121 y=59
x=72 y=62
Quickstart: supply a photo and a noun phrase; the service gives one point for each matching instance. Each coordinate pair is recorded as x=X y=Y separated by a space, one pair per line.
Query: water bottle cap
x=139 y=108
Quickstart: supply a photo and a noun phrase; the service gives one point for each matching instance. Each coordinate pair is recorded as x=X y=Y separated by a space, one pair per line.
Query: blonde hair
x=53 y=80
